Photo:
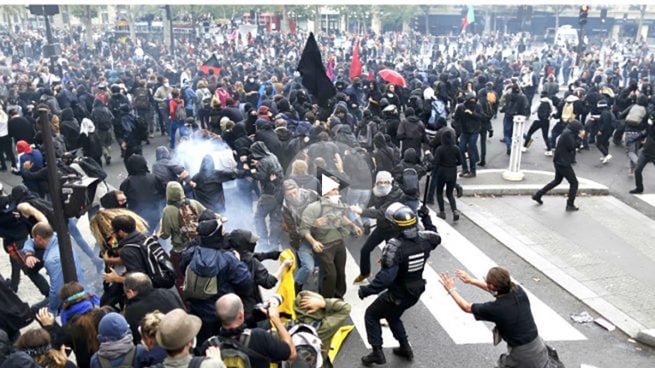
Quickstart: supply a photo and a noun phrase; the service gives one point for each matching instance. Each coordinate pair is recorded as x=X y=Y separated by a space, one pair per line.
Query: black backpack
x=410 y=182
x=158 y=264
x=543 y=111
x=141 y=99
x=141 y=129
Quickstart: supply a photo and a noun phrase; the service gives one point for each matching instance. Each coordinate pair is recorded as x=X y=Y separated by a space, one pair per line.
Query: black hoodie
x=566 y=145
x=209 y=185
x=382 y=154
x=143 y=190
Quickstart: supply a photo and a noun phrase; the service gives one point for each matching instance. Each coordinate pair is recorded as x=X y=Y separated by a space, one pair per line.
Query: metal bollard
x=514 y=173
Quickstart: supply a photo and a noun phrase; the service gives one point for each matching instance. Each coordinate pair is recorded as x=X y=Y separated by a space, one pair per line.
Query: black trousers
x=563 y=172
x=377 y=236
x=391 y=309
x=6 y=152
x=536 y=125
x=332 y=262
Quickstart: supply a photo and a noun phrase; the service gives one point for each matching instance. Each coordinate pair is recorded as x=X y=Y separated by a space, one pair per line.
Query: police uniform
x=400 y=281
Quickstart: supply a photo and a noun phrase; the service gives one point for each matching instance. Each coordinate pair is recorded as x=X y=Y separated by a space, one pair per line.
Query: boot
x=404 y=351
x=455 y=215
x=537 y=198
x=441 y=215
x=375 y=357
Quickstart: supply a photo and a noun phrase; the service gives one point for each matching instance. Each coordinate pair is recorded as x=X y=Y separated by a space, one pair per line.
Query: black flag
x=314 y=77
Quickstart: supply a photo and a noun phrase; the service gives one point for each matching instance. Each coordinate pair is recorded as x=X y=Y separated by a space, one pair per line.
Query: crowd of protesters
x=108 y=99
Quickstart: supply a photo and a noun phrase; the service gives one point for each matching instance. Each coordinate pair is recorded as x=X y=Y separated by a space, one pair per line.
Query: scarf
x=114 y=349
x=78 y=309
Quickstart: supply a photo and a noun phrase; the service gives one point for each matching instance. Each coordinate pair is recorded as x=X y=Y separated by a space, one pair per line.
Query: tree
x=85 y=13
x=399 y=13
x=426 y=13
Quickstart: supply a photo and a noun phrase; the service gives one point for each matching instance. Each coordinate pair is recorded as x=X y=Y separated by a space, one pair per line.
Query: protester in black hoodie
x=382 y=155
x=411 y=132
x=563 y=160
x=208 y=185
x=70 y=129
x=446 y=159
x=647 y=155
x=145 y=193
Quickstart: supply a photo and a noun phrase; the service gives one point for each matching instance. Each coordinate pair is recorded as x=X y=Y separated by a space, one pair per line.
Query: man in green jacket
x=324 y=225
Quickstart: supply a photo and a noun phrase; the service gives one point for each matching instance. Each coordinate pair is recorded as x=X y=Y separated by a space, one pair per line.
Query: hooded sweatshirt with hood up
x=143 y=190
x=170 y=220
x=166 y=169
x=382 y=154
x=209 y=185
x=269 y=171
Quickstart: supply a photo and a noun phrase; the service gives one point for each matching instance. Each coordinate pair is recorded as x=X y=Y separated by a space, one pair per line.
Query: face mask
x=251 y=80
x=166 y=85
x=381 y=190
x=390 y=94
x=334 y=199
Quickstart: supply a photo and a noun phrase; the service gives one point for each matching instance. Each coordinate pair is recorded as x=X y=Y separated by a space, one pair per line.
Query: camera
x=273 y=301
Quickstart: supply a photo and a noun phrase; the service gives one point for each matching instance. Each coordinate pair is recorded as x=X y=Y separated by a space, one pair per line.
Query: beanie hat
x=113 y=327
x=383 y=176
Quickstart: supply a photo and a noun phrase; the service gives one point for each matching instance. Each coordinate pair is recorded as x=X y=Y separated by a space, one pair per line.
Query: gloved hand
x=361 y=293
x=423 y=212
x=491 y=133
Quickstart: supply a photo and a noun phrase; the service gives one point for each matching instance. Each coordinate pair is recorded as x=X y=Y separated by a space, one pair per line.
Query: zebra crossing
x=461 y=327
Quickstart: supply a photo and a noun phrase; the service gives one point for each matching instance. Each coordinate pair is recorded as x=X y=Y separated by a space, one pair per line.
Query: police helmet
x=401 y=215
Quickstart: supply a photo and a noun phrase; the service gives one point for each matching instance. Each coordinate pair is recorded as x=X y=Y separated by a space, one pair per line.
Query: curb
x=620 y=319
x=586 y=186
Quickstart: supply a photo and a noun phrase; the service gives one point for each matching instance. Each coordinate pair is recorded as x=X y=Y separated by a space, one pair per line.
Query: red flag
x=356 y=64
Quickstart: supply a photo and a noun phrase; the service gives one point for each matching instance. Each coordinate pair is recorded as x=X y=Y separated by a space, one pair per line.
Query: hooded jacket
x=382 y=154
x=267 y=166
x=170 y=220
x=101 y=116
x=567 y=144
x=209 y=185
x=164 y=168
x=411 y=132
x=267 y=135
x=143 y=191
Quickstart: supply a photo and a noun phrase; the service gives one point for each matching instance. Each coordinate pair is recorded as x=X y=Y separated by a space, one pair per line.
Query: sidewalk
x=490 y=182
x=603 y=254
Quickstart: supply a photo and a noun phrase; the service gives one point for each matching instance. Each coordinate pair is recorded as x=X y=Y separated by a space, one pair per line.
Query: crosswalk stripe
x=552 y=327
x=358 y=307
x=648 y=198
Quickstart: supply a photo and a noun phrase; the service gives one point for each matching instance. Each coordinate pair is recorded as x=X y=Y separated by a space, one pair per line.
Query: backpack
x=91 y=168
x=141 y=99
x=567 y=112
x=158 y=263
x=410 y=182
x=491 y=97
x=188 y=219
x=128 y=360
x=180 y=112
x=543 y=111
x=635 y=115
x=235 y=353
x=199 y=287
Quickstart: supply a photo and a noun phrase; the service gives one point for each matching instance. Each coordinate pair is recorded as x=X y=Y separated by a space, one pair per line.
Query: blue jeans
x=358 y=197
x=173 y=126
x=632 y=146
x=508 y=129
x=305 y=255
x=268 y=206
x=468 y=142
x=556 y=132
x=79 y=239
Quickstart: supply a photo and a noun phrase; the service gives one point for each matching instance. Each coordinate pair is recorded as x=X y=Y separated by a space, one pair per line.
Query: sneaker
x=464 y=173
x=468 y=174
x=529 y=142
x=607 y=158
x=548 y=153
x=361 y=279
x=455 y=215
x=524 y=149
x=441 y=215
x=482 y=163
x=571 y=208
x=636 y=191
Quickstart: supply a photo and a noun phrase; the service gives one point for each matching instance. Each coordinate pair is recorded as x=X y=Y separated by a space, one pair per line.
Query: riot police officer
x=400 y=280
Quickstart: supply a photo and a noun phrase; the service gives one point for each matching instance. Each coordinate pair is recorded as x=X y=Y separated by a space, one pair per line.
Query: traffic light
x=603 y=15
x=582 y=17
